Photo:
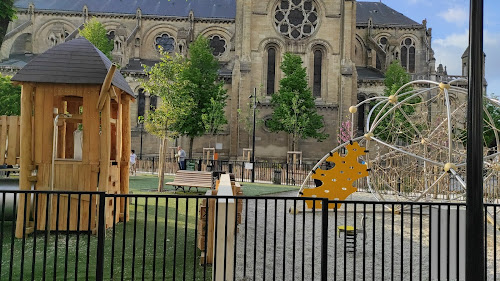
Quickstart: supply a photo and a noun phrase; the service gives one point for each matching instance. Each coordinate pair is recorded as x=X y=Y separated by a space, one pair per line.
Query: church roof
x=368 y=73
x=381 y=14
x=225 y=9
x=73 y=62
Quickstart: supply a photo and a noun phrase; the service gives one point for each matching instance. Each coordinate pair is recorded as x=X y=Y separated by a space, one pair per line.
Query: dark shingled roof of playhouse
x=381 y=14
x=73 y=62
x=224 y=9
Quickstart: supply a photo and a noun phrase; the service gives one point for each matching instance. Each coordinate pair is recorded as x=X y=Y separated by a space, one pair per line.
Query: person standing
x=181 y=155
x=133 y=168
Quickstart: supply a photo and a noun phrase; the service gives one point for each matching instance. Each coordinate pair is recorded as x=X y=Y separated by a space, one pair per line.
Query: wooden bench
x=6 y=171
x=190 y=179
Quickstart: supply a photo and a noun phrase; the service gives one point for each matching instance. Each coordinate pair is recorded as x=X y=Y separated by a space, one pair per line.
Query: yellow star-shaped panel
x=337 y=183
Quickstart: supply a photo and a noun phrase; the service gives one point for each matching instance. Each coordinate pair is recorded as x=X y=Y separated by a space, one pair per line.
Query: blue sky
x=449 y=20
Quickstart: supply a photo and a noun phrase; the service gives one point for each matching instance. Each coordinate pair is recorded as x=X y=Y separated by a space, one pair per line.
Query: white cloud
x=449 y=50
x=456 y=15
x=456 y=40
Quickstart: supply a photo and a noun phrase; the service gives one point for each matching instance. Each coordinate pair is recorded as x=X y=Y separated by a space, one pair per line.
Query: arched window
x=361 y=116
x=318 y=64
x=382 y=42
x=408 y=55
x=296 y=19
x=218 y=45
x=153 y=102
x=166 y=42
x=141 y=103
x=111 y=35
x=271 y=70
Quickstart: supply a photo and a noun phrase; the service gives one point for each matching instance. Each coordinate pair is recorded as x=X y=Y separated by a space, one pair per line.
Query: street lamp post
x=253 y=133
x=141 y=126
x=474 y=234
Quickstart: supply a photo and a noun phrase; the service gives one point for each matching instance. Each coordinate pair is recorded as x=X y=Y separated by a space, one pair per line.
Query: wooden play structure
x=208 y=156
x=73 y=100
x=9 y=140
x=224 y=187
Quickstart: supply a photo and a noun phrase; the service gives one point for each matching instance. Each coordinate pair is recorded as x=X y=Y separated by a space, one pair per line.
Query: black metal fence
x=274 y=238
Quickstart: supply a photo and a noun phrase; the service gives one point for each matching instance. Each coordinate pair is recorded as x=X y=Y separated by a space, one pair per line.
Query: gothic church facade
x=346 y=46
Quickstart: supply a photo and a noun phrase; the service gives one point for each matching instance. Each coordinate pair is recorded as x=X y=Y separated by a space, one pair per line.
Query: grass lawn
x=153 y=252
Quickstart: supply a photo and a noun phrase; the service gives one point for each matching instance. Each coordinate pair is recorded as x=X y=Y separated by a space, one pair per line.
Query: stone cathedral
x=346 y=46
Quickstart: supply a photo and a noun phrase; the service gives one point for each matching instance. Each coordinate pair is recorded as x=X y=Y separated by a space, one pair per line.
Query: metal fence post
x=242 y=171
x=153 y=168
x=324 y=239
x=100 y=238
x=287 y=174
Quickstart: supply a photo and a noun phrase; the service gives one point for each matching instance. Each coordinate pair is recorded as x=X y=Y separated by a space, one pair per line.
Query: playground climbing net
x=415 y=143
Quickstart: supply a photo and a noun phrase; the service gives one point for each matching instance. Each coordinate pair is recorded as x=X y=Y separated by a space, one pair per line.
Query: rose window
x=166 y=42
x=296 y=19
x=218 y=45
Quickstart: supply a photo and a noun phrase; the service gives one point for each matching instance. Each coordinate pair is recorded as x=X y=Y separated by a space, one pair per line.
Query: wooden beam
x=113 y=93
x=106 y=85
x=12 y=139
x=26 y=136
x=105 y=145
x=125 y=153
x=26 y=156
x=3 y=138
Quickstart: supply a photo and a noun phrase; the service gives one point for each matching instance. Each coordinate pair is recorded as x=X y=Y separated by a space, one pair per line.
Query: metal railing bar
x=77 y=235
x=35 y=214
x=145 y=237
x=113 y=240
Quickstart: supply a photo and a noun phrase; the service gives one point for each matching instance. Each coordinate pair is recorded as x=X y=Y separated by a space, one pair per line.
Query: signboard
x=248 y=166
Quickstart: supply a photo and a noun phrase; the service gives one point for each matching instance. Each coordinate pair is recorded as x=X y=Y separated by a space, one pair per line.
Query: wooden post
x=26 y=156
x=225 y=243
x=124 y=167
x=105 y=143
x=3 y=137
x=12 y=137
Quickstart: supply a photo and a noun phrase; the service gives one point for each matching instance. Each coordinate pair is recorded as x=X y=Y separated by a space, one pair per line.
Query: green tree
x=396 y=125
x=10 y=97
x=489 y=128
x=7 y=13
x=395 y=77
x=205 y=90
x=95 y=32
x=294 y=108
x=215 y=118
x=165 y=81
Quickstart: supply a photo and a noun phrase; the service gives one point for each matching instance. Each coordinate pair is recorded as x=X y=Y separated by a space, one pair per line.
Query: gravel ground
x=395 y=246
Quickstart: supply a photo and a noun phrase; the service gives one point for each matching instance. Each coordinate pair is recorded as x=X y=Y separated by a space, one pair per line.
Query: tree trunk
x=191 y=139
x=294 y=142
x=161 y=163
